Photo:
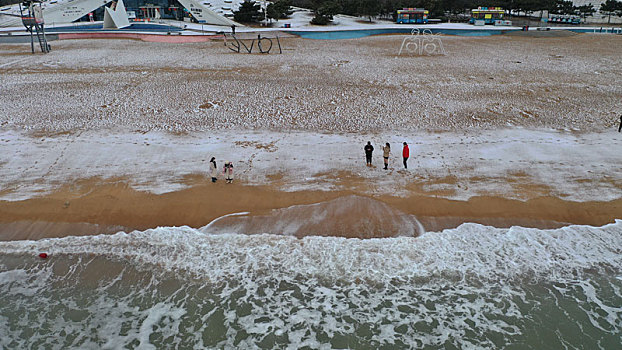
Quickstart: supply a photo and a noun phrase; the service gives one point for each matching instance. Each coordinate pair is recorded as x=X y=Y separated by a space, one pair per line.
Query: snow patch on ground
x=512 y=163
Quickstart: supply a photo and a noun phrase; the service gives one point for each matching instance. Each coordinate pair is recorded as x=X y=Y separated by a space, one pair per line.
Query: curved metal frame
x=237 y=44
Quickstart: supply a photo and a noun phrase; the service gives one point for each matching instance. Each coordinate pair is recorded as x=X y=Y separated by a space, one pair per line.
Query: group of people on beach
x=386 y=152
x=227 y=170
x=369 y=150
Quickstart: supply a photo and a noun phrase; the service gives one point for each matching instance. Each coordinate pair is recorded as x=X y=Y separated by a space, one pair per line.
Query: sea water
x=473 y=287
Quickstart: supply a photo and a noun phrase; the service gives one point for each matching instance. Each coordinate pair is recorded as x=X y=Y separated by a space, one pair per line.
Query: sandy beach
x=524 y=137
x=357 y=85
x=504 y=231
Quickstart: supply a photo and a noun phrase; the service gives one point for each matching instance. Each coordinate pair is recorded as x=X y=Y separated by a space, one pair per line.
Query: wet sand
x=107 y=207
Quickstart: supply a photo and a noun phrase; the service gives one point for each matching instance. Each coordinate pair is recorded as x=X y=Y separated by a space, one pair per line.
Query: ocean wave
x=176 y=287
x=469 y=251
x=347 y=216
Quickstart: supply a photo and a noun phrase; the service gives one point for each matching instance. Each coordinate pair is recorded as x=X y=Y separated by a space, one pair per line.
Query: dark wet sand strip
x=105 y=207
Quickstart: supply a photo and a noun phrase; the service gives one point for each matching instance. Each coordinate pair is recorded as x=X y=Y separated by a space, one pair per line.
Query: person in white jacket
x=228 y=172
x=386 y=151
x=213 y=169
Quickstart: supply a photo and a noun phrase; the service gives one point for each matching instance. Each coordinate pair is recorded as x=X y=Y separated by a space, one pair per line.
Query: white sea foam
x=472 y=287
x=471 y=250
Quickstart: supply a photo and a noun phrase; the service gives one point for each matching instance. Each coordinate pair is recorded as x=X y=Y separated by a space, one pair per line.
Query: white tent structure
x=115 y=16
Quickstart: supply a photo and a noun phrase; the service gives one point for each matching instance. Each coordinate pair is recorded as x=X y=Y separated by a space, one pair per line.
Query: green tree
x=279 y=9
x=611 y=7
x=248 y=12
x=324 y=12
x=348 y=7
x=585 y=10
x=453 y=8
x=368 y=8
x=563 y=7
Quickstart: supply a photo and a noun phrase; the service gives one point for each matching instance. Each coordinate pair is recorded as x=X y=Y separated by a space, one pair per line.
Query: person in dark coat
x=405 y=155
x=620 y=127
x=369 y=149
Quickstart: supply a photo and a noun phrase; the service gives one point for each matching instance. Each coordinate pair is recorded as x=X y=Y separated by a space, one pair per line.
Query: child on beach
x=213 y=170
x=228 y=172
x=386 y=150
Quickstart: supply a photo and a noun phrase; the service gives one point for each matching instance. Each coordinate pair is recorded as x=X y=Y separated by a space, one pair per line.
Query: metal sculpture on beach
x=264 y=44
x=422 y=43
x=31 y=14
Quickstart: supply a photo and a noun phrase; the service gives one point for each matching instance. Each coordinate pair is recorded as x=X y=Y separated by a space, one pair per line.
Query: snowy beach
x=504 y=230
x=357 y=85
x=516 y=118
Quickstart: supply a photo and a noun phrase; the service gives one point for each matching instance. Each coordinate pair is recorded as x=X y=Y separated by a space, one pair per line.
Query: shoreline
x=108 y=207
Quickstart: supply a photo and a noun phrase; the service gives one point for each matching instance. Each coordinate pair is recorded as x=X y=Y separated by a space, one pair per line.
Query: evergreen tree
x=325 y=11
x=279 y=9
x=585 y=10
x=368 y=8
x=563 y=7
x=349 y=7
x=611 y=7
x=248 y=12
x=457 y=7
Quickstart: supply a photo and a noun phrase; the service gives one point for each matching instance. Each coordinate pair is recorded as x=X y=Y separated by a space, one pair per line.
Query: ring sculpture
x=422 y=43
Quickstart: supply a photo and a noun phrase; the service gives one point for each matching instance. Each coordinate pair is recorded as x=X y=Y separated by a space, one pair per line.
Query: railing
x=608 y=30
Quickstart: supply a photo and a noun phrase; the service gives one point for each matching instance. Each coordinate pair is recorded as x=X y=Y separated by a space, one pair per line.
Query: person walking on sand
x=213 y=170
x=405 y=155
x=369 y=149
x=228 y=172
x=386 y=151
x=620 y=127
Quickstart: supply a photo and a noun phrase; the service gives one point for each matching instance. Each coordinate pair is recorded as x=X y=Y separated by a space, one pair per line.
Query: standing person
x=228 y=172
x=386 y=150
x=405 y=155
x=213 y=170
x=620 y=127
x=369 y=149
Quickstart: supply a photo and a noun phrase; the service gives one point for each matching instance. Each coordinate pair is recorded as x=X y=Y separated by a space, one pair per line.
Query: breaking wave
x=470 y=287
x=348 y=216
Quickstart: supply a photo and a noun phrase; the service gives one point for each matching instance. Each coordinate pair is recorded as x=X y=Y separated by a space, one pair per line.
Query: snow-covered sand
x=510 y=163
x=504 y=117
x=357 y=85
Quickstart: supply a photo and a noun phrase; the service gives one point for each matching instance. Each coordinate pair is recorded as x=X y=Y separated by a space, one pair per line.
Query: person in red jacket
x=405 y=154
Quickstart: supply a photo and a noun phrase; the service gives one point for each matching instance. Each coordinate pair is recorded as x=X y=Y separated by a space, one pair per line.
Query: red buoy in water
x=43 y=256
